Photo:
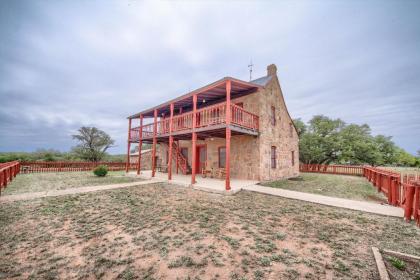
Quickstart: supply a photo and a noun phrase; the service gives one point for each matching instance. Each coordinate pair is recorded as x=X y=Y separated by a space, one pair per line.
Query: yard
x=350 y=187
x=37 y=182
x=161 y=231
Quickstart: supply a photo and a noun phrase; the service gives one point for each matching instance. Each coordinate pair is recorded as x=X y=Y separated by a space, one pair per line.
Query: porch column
x=127 y=164
x=228 y=134
x=171 y=140
x=140 y=144
x=177 y=162
x=154 y=144
x=194 y=140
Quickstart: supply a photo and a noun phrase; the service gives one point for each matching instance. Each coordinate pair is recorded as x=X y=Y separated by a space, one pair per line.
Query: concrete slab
x=203 y=184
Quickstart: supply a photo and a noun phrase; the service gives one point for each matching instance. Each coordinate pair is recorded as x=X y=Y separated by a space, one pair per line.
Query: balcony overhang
x=207 y=95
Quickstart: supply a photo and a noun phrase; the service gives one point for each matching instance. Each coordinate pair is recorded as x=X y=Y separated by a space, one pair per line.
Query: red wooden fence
x=66 y=166
x=401 y=191
x=8 y=171
x=332 y=169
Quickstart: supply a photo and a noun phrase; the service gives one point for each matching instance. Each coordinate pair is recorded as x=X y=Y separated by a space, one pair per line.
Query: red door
x=201 y=158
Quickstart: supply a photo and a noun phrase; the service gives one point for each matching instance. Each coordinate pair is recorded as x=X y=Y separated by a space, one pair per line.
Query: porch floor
x=204 y=184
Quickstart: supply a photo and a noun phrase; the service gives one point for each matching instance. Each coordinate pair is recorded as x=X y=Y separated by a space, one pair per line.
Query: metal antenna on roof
x=250 y=69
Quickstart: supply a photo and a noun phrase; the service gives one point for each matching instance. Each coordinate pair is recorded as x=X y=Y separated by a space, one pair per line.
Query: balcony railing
x=205 y=117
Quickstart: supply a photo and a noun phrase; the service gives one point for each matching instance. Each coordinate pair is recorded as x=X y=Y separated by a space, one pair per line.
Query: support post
x=128 y=146
x=177 y=161
x=228 y=134
x=194 y=140
x=171 y=140
x=140 y=144
x=154 y=144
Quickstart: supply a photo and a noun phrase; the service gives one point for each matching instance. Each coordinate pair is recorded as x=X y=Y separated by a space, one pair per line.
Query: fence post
x=409 y=197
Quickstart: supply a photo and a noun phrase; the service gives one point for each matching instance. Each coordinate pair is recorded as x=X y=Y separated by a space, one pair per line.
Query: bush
x=100 y=170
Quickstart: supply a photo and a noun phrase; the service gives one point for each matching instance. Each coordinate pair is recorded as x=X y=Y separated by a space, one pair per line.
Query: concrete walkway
x=28 y=196
x=330 y=201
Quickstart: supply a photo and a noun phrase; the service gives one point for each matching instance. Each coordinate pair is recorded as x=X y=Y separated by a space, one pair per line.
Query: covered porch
x=204 y=113
x=204 y=184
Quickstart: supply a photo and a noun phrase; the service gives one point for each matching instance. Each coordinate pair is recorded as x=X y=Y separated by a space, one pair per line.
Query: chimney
x=271 y=70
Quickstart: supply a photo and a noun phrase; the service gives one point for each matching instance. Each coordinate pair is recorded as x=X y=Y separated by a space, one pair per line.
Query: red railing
x=8 y=171
x=332 y=169
x=66 y=166
x=205 y=117
x=401 y=191
x=244 y=118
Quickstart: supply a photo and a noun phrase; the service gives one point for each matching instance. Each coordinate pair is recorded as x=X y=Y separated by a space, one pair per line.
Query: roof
x=211 y=93
x=262 y=81
x=136 y=153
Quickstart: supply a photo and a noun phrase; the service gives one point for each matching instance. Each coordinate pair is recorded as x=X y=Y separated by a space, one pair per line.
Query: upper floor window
x=273 y=115
x=291 y=130
x=273 y=157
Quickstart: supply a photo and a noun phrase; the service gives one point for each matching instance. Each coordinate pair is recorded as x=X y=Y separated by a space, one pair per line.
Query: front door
x=201 y=158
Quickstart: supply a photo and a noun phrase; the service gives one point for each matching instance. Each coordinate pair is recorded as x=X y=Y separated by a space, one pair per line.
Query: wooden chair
x=221 y=173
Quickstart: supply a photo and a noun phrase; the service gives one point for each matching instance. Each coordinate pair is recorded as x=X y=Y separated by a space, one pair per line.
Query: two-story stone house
x=229 y=128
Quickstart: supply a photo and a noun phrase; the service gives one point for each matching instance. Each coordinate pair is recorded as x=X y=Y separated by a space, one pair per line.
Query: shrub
x=397 y=263
x=100 y=170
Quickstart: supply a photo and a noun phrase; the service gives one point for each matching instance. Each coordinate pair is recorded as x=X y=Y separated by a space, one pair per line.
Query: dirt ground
x=163 y=231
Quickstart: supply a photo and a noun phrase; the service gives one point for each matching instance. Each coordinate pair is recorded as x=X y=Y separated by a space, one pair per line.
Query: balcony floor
x=218 y=131
x=204 y=184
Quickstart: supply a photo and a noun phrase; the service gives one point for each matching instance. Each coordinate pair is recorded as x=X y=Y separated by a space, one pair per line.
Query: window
x=273 y=157
x=273 y=115
x=291 y=130
x=293 y=158
x=222 y=157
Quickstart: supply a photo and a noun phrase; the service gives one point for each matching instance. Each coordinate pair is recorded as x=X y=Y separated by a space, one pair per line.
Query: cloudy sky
x=65 y=64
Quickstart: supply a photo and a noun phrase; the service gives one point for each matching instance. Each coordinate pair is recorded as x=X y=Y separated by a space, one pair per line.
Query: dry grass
x=351 y=187
x=167 y=232
x=37 y=182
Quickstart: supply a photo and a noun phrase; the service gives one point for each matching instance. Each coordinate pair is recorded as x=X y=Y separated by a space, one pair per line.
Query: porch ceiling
x=207 y=95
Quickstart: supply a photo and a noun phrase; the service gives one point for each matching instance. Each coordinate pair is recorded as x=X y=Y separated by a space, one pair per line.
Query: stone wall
x=146 y=160
x=282 y=135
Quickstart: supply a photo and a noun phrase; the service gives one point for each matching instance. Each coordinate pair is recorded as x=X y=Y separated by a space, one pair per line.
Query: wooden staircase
x=182 y=161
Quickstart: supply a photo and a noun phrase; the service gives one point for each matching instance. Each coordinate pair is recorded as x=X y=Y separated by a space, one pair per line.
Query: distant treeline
x=53 y=155
x=326 y=141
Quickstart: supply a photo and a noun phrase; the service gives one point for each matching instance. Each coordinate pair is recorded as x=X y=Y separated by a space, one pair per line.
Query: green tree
x=93 y=143
x=300 y=126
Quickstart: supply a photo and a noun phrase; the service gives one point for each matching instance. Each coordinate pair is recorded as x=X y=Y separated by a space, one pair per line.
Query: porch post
x=177 y=163
x=228 y=134
x=171 y=140
x=127 y=164
x=194 y=140
x=154 y=144
x=140 y=144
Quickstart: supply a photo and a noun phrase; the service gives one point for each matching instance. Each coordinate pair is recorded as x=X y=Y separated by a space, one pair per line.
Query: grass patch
x=350 y=187
x=37 y=182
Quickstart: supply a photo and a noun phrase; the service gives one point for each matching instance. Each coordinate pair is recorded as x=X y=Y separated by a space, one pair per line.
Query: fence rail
x=68 y=166
x=402 y=191
x=8 y=171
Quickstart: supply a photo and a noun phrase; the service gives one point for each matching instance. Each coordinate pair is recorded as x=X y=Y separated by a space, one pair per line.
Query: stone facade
x=250 y=155
x=146 y=159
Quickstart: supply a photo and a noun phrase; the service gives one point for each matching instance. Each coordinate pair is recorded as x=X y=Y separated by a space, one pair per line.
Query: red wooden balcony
x=208 y=119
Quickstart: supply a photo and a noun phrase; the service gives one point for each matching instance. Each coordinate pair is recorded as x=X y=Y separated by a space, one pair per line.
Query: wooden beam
x=194 y=140
x=154 y=144
x=128 y=146
x=171 y=140
x=228 y=134
x=140 y=144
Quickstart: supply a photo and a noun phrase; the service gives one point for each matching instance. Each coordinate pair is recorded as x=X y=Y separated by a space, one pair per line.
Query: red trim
x=228 y=134
x=140 y=145
x=197 y=154
x=154 y=144
x=240 y=104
